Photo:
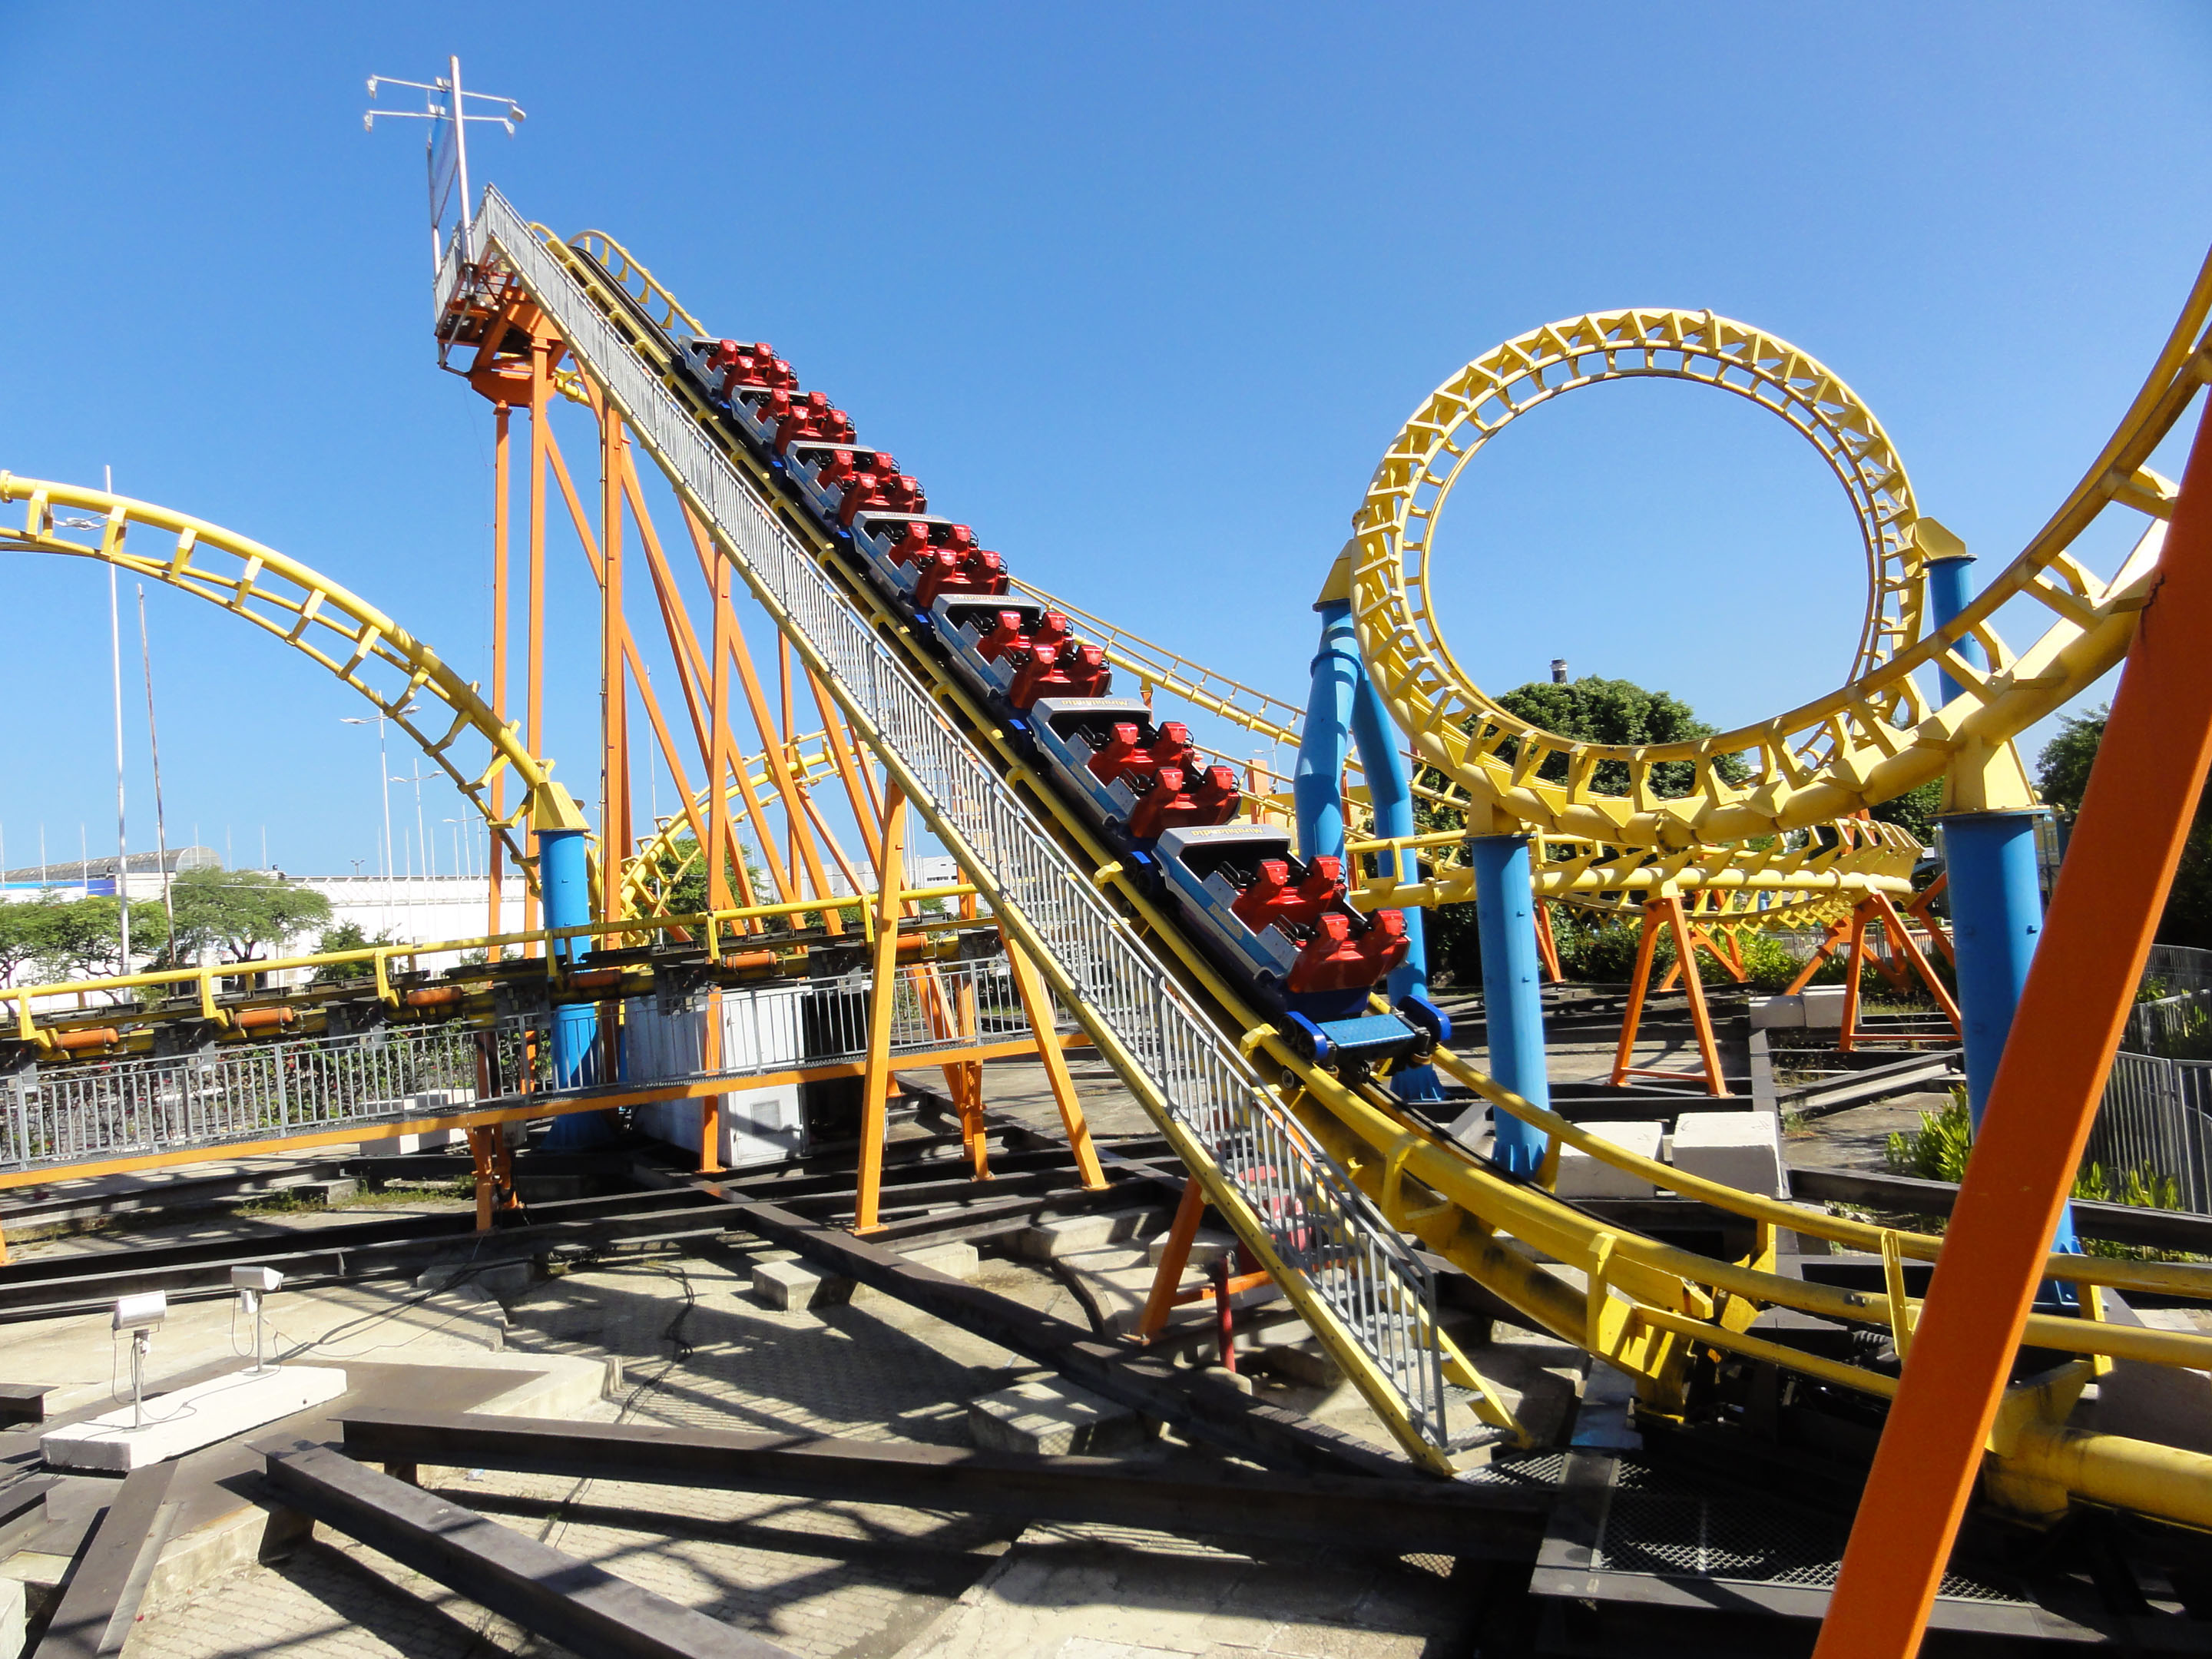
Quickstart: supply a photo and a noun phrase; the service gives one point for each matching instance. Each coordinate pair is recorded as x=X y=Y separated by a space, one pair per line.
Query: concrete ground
x=1857 y=1139
x=832 y=1580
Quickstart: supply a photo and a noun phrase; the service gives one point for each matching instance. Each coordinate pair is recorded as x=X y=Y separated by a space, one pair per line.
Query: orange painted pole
x=1547 y=944
x=1910 y=949
x=1624 y=1056
x=1037 y=1004
x=1174 y=1257
x=500 y=469
x=1694 y=987
x=883 y=997
x=614 y=675
x=541 y=383
x=2135 y=815
x=1829 y=941
x=1854 y=979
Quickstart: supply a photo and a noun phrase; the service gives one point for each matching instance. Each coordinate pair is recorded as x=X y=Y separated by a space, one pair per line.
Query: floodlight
x=251 y=1284
x=142 y=1313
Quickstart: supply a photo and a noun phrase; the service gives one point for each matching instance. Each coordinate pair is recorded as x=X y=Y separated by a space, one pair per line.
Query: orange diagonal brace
x=2142 y=797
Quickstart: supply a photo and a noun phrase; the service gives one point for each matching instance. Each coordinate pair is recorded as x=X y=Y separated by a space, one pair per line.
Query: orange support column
x=480 y=1154
x=2135 y=815
x=1547 y=945
x=1647 y=945
x=1694 y=987
x=883 y=997
x=1036 y=1003
x=1174 y=1257
x=542 y=352
x=500 y=468
x=1854 y=978
x=614 y=679
x=1668 y=911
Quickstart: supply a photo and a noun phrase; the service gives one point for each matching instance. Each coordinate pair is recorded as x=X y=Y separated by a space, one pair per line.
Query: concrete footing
x=1069 y=1235
x=1582 y=1176
x=1054 y=1420
x=1738 y=1149
x=184 y=1420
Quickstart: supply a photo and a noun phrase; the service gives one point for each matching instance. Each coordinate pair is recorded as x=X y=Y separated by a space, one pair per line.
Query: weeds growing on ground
x=1937 y=1150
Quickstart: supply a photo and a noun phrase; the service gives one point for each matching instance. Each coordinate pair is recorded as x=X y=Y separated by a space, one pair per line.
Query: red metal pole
x=2142 y=797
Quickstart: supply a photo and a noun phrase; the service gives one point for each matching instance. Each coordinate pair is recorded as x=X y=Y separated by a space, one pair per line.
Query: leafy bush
x=1937 y=1150
x=1769 y=962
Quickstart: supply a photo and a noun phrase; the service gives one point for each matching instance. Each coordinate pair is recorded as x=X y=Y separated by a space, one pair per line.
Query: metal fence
x=2177 y=1027
x=2156 y=1123
x=92 y=1111
x=786 y=1025
x=2179 y=968
x=127 y=1107
x=1319 y=1224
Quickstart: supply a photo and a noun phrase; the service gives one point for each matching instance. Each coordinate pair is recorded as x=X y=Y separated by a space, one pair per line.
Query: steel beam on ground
x=586 y=1609
x=1404 y=1514
x=1202 y=1405
x=100 y=1603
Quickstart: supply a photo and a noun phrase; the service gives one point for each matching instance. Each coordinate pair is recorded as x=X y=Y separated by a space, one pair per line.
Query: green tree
x=1915 y=810
x=687 y=893
x=82 y=938
x=26 y=933
x=2062 y=771
x=346 y=936
x=2062 y=776
x=1594 y=710
x=1599 y=710
x=240 y=914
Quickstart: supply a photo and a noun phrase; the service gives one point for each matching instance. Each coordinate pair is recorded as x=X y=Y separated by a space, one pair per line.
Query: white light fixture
x=251 y=1284
x=141 y=1315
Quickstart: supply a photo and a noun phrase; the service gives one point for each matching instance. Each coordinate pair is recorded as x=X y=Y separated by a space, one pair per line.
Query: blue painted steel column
x=1342 y=706
x=1512 y=998
x=1950 y=586
x=1996 y=893
x=564 y=885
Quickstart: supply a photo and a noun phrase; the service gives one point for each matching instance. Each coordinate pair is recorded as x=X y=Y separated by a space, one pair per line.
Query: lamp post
x=383 y=789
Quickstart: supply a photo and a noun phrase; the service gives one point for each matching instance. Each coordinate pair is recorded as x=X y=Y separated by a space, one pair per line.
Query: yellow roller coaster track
x=312 y=614
x=1648 y=1308
x=1870 y=740
x=1881 y=856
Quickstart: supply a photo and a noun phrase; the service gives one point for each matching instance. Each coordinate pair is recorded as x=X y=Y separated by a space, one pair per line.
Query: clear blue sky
x=1140 y=291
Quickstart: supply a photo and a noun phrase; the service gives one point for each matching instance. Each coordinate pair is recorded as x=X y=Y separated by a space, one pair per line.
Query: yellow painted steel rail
x=1873 y=738
x=400 y=676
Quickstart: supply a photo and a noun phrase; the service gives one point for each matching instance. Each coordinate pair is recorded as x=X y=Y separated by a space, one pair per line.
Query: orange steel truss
x=518 y=366
x=1668 y=913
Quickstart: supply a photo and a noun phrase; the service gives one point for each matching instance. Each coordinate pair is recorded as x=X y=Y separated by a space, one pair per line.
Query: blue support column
x=1996 y=893
x=564 y=885
x=1344 y=707
x=1950 y=586
x=1512 y=997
